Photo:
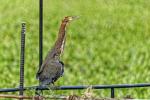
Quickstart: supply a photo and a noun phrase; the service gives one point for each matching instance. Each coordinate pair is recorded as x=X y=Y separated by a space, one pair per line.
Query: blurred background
x=109 y=44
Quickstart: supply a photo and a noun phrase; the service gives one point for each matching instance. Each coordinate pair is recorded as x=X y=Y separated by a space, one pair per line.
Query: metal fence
x=21 y=88
x=111 y=87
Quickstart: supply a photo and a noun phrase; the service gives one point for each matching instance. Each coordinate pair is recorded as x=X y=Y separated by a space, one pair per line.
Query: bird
x=52 y=67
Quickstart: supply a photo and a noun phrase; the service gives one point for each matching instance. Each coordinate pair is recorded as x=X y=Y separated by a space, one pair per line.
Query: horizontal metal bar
x=78 y=87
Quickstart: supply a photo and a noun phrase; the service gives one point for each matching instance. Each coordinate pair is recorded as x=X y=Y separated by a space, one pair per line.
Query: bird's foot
x=38 y=91
x=51 y=86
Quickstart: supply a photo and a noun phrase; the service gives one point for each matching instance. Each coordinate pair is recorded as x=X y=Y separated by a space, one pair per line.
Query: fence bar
x=79 y=87
x=112 y=93
x=22 y=59
x=40 y=32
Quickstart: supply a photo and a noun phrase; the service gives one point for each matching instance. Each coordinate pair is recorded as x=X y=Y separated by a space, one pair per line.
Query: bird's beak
x=73 y=18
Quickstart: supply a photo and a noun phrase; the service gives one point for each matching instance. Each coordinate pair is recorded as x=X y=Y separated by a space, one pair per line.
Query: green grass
x=109 y=44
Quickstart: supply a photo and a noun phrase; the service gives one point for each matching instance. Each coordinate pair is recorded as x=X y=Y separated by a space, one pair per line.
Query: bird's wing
x=45 y=62
x=41 y=68
x=55 y=70
x=50 y=69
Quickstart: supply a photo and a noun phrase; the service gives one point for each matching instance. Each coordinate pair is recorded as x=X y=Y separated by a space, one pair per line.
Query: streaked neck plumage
x=60 y=42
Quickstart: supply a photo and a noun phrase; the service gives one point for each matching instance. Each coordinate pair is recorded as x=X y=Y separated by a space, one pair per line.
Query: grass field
x=109 y=44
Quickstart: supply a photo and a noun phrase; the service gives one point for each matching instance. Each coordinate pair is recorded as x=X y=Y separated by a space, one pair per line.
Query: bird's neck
x=60 y=42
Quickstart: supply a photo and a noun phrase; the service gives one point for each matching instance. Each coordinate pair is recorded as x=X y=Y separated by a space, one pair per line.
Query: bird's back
x=50 y=72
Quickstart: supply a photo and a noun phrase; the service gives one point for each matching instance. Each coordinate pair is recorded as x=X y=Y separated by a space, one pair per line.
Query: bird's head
x=70 y=18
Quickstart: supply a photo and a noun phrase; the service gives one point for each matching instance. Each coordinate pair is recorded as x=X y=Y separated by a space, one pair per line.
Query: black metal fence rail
x=111 y=87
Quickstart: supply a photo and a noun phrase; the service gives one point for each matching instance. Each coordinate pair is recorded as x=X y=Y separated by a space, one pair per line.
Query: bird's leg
x=51 y=86
x=50 y=89
x=38 y=91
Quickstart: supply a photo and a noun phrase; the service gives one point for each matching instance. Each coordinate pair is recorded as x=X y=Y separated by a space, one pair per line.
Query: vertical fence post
x=40 y=32
x=112 y=93
x=22 y=59
x=40 y=37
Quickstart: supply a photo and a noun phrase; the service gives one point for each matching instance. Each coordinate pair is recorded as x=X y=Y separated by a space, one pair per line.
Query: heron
x=52 y=67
